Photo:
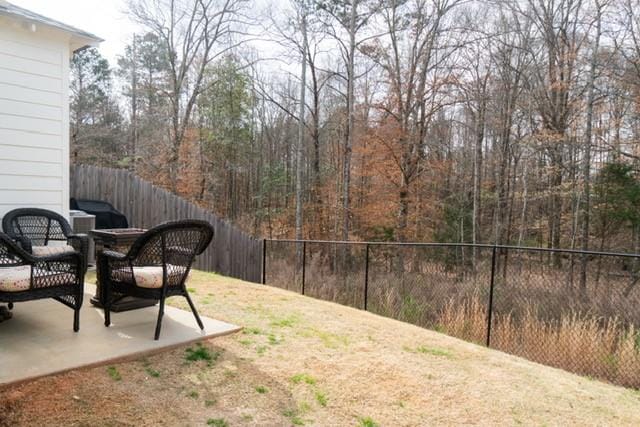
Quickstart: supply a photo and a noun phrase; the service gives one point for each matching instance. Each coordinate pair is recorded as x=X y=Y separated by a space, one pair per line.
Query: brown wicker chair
x=156 y=266
x=24 y=277
x=36 y=228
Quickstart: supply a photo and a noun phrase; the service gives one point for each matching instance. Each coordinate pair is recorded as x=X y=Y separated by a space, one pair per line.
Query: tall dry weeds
x=577 y=342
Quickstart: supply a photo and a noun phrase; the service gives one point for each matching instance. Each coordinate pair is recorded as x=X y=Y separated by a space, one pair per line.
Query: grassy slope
x=303 y=361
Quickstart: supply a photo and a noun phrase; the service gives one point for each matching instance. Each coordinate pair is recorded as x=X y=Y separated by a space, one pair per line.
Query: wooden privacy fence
x=232 y=253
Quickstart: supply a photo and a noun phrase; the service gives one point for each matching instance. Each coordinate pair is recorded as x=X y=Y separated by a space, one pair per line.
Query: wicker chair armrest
x=23 y=241
x=13 y=250
x=78 y=236
x=70 y=257
x=113 y=255
x=80 y=242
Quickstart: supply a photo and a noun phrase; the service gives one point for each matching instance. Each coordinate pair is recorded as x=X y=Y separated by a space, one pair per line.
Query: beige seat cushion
x=146 y=277
x=15 y=279
x=41 y=251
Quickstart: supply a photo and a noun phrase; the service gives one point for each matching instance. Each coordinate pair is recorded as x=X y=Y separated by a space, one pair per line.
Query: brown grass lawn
x=301 y=361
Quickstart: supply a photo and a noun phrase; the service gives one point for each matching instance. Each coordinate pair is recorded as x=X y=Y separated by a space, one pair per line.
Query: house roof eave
x=79 y=38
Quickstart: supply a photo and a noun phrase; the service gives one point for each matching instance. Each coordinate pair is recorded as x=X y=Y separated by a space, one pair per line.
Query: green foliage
x=152 y=372
x=273 y=340
x=225 y=127
x=274 y=180
x=306 y=378
x=201 y=353
x=457 y=221
x=434 y=351
x=411 y=310
x=262 y=389
x=225 y=108
x=617 y=197
x=285 y=321
x=295 y=416
x=329 y=339
x=91 y=79
x=367 y=422
x=304 y=407
x=113 y=373
x=456 y=227
x=146 y=60
x=321 y=398
x=96 y=121
x=217 y=422
x=381 y=234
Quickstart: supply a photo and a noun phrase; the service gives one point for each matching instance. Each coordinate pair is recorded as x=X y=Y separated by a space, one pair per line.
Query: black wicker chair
x=36 y=228
x=24 y=277
x=156 y=266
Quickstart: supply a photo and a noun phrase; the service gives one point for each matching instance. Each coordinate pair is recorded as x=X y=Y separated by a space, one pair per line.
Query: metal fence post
x=491 y=286
x=264 y=261
x=366 y=276
x=304 y=263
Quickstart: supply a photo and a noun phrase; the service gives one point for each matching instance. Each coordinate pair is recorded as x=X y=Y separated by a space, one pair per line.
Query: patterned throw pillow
x=15 y=279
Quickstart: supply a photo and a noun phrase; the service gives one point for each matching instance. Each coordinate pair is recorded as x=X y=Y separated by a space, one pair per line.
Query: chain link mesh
x=575 y=311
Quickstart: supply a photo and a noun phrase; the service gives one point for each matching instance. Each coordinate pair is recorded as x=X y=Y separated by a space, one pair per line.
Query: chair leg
x=106 y=305
x=159 y=322
x=193 y=310
x=76 y=319
x=78 y=305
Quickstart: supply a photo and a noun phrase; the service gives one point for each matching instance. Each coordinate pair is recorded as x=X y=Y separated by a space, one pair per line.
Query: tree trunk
x=477 y=179
x=555 y=214
x=586 y=167
x=300 y=144
x=348 y=147
x=134 y=106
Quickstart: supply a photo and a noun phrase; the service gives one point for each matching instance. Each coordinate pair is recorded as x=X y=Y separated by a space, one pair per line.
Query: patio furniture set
x=41 y=257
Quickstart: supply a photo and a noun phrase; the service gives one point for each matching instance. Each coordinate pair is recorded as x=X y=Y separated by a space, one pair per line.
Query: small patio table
x=119 y=240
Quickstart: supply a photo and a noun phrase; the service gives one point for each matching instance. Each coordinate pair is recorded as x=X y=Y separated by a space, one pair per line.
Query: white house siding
x=34 y=112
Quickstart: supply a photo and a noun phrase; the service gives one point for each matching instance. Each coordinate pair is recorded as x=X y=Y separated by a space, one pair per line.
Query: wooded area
x=507 y=122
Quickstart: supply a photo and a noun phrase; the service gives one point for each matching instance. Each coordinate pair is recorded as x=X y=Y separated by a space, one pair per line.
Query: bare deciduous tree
x=194 y=33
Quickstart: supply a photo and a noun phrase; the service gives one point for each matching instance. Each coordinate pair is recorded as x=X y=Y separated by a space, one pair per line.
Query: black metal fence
x=574 y=310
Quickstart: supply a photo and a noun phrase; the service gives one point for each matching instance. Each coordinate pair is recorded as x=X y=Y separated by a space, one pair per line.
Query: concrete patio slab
x=39 y=339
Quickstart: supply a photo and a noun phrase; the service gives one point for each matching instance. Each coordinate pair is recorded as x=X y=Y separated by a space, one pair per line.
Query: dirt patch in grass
x=301 y=361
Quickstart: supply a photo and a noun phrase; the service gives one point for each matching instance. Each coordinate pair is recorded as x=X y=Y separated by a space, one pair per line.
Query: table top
x=118 y=232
